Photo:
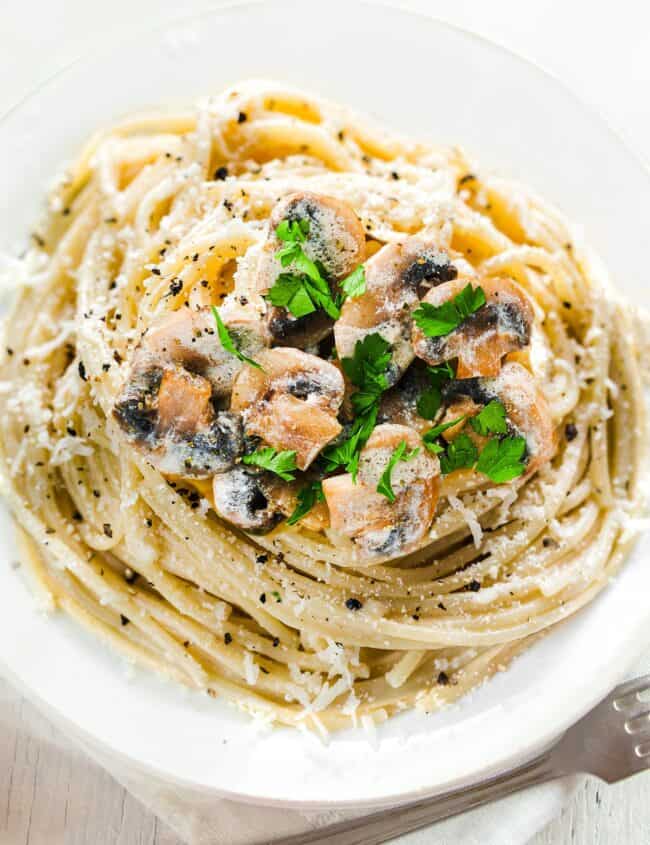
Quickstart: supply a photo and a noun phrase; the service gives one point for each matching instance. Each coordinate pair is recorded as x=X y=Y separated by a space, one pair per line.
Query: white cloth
x=201 y=820
x=549 y=33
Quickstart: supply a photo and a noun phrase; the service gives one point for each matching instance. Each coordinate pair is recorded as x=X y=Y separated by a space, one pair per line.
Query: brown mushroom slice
x=380 y=528
x=400 y=403
x=335 y=241
x=244 y=498
x=527 y=410
x=396 y=276
x=292 y=403
x=482 y=340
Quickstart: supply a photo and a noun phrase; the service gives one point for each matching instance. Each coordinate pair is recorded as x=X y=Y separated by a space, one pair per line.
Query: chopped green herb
x=439 y=320
x=346 y=454
x=430 y=437
x=367 y=371
x=502 y=460
x=491 y=419
x=307 y=498
x=399 y=454
x=461 y=453
x=355 y=284
x=281 y=463
x=304 y=290
x=228 y=343
x=430 y=401
x=276 y=595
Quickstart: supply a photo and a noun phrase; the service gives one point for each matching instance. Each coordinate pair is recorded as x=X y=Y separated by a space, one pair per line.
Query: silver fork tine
x=632 y=687
x=638 y=724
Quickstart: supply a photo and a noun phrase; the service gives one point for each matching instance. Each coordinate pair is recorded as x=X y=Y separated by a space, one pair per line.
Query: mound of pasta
x=320 y=420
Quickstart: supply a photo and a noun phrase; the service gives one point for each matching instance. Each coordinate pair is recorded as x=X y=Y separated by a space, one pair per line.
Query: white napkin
x=202 y=820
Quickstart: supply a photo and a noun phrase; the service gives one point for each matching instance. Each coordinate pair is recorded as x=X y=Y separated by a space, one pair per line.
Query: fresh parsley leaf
x=281 y=463
x=228 y=343
x=439 y=320
x=370 y=359
x=346 y=454
x=434 y=433
x=304 y=290
x=430 y=401
x=355 y=284
x=307 y=498
x=399 y=454
x=292 y=231
x=461 y=453
x=439 y=375
x=490 y=420
x=502 y=460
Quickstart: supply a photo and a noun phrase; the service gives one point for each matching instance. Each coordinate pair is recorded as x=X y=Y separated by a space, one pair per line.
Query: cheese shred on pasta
x=266 y=622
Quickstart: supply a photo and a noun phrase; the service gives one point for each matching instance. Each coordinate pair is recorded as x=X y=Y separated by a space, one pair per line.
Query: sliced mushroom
x=378 y=527
x=243 y=497
x=396 y=276
x=180 y=376
x=527 y=411
x=482 y=340
x=292 y=403
x=335 y=242
x=400 y=403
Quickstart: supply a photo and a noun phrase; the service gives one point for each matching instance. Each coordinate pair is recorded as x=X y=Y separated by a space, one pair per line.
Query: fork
x=611 y=742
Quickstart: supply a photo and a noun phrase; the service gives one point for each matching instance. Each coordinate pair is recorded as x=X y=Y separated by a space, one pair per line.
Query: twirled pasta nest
x=310 y=416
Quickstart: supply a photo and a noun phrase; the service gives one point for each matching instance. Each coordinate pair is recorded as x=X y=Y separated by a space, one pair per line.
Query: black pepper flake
x=96 y=494
x=155 y=271
x=353 y=604
x=443 y=679
x=117 y=357
x=124 y=619
x=549 y=542
x=468 y=177
x=26 y=428
x=242 y=117
x=441 y=606
x=566 y=304
x=130 y=576
x=10 y=351
x=77 y=516
x=570 y=431
x=65 y=211
x=265 y=671
x=82 y=371
x=175 y=286
x=276 y=642
x=106 y=367
x=416 y=617
x=71 y=431
x=261 y=559
x=221 y=173
x=395 y=175
x=108 y=530
x=227 y=638
x=474 y=586
x=50 y=531
x=227 y=204
x=186 y=644
x=263 y=598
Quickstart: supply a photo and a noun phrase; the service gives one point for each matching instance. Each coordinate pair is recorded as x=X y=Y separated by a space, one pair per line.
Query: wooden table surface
x=51 y=797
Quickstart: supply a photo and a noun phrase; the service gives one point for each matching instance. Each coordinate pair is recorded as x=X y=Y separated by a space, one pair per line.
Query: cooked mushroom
x=292 y=403
x=396 y=277
x=482 y=340
x=335 y=241
x=378 y=527
x=180 y=375
x=243 y=497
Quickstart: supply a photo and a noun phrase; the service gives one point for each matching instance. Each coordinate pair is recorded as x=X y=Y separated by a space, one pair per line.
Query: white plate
x=426 y=79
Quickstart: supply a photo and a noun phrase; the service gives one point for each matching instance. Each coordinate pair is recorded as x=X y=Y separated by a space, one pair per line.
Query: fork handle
x=384 y=825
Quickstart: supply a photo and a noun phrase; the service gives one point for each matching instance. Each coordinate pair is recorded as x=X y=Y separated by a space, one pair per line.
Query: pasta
x=168 y=210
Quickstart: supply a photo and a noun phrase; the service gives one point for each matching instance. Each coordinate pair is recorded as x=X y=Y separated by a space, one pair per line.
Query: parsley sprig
x=281 y=463
x=305 y=288
x=400 y=453
x=430 y=401
x=229 y=344
x=439 y=320
x=502 y=457
x=367 y=371
x=308 y=496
